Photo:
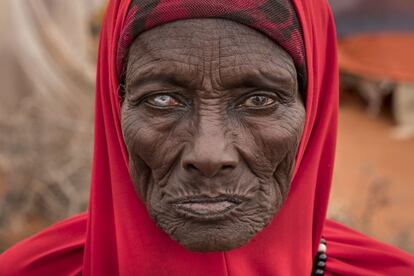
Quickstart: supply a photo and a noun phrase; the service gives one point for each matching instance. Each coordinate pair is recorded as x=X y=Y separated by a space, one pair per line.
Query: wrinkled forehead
x=275 y=18
x=192 y=51
x=199 y=42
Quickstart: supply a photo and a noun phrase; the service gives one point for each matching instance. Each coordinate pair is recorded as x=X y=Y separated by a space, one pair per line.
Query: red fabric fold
x=352 y=253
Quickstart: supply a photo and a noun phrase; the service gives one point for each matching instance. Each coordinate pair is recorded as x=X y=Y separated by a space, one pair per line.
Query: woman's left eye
x=258 y=101
x=163 y=100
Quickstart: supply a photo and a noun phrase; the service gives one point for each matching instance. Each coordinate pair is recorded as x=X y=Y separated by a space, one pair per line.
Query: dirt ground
x=373 y=186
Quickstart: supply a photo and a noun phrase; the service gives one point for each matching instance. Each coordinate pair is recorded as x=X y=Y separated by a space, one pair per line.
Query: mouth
x=206 y=208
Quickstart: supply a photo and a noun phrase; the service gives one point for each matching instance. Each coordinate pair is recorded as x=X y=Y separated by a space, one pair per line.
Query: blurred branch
x=46 y=111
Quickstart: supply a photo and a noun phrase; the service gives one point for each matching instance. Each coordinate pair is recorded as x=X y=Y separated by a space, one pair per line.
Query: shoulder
x=352 y=253
x=57 y=250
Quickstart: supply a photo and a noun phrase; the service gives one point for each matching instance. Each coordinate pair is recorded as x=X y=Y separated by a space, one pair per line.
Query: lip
x=206 y=208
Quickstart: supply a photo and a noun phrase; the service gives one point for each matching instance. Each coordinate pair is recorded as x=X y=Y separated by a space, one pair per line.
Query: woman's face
x=212 y=119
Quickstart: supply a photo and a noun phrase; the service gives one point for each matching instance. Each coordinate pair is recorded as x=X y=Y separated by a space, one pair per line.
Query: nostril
x=208 y=168
x=190 y=167
x=227 y=167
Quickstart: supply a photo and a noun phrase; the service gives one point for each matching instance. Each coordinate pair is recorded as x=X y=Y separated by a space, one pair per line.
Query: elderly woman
x=214 y=147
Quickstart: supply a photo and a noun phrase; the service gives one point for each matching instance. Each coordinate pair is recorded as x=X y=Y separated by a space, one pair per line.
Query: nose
x=210 y=155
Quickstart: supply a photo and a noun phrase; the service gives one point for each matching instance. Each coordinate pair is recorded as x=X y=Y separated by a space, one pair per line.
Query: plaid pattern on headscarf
x=275 y=18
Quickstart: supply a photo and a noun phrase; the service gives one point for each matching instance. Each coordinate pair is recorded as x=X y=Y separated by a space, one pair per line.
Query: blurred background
x=47 y=70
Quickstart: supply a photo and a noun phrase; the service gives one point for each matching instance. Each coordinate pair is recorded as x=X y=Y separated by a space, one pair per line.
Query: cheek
x=150 y=138
x=154 y=144
x=283 y=134
x=274 y=140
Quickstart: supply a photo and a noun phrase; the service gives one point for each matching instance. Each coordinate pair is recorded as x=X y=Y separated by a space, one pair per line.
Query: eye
x=258 y=101
x=163 y=100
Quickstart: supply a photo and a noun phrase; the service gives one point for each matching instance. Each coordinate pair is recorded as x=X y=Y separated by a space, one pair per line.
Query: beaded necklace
x=320 y=259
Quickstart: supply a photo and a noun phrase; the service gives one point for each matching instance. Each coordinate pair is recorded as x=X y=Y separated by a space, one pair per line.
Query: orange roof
x=378 y=56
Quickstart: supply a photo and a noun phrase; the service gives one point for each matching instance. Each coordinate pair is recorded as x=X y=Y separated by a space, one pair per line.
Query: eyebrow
x=264 y=79
x=247 y=79
x=150 y=74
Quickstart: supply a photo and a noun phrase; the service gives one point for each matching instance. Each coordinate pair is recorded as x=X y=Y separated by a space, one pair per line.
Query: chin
x=220 y=223
x=212 y=236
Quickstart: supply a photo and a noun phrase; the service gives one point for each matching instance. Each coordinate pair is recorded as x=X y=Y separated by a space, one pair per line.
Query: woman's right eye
x=163 y=100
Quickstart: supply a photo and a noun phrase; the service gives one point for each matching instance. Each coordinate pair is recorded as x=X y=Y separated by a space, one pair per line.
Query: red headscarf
x=117 y=237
